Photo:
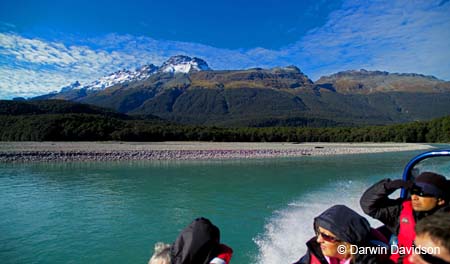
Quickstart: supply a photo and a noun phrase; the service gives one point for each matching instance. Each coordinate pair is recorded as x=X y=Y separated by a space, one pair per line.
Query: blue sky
x=45 y=45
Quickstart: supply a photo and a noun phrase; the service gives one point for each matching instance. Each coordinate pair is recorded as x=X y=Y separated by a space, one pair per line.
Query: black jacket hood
x=345 y=223
x=198 y=243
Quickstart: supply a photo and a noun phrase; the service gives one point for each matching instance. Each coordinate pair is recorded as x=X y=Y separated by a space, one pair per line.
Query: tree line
x=94 y=127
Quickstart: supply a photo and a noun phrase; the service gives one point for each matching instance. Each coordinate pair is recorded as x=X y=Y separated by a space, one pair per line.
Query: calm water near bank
x=114 y=212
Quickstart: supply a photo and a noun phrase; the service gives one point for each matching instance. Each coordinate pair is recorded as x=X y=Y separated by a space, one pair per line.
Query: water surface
x=114 y=212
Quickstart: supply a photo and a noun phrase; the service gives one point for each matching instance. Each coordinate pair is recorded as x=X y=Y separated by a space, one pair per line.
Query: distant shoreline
x=115 y=151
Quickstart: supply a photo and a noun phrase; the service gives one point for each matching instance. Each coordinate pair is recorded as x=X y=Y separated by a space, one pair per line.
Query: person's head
x=329 y=243
x=198 y=242
x=430 y=191
x=340 y=226
x=161 y=254
x=433 y=232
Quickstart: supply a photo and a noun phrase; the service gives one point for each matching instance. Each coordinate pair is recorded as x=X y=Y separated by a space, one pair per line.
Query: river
x=113 y=212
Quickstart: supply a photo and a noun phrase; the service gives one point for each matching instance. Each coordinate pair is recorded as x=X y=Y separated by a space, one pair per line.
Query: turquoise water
x=115 y=212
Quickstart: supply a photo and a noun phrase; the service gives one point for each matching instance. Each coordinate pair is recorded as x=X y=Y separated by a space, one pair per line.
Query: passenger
x=429 y=194
x=161 y=254
x=338 y=228
x=433 y=238
x=198 y=243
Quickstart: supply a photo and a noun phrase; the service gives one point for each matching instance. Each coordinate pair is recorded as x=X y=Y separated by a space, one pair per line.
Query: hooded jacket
x=198 y=243
x=348 y=226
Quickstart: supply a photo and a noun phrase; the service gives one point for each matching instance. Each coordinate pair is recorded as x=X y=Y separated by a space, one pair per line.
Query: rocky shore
x=115 y=151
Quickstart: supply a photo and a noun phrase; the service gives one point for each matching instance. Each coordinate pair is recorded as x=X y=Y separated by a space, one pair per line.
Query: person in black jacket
x=198 y=243
x=340 y=231
x=429 y=194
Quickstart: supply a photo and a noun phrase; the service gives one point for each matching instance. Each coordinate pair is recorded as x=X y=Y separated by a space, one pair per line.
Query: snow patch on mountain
x=175 y=64
x=184 y=64
x=122 y=76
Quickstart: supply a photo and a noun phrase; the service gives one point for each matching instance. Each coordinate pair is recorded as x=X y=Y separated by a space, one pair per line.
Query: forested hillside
x=52 y=121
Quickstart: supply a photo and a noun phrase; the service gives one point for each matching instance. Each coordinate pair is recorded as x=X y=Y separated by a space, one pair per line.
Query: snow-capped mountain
x=184 y=64
x=175 y=64
x=122 y=76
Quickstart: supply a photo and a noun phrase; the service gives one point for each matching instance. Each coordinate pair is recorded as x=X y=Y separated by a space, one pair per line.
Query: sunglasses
x=327 y=238
x=419 y=192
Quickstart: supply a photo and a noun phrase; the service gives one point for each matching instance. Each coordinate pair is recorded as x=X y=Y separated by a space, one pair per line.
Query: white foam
x=288 y=230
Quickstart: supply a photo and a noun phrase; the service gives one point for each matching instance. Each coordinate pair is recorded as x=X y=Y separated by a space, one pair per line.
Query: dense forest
x=66 y=121
x=86 y=127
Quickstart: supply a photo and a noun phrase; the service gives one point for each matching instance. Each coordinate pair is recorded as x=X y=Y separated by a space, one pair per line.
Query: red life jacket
x=314 y=259
x=406 y=233
x=224 y=256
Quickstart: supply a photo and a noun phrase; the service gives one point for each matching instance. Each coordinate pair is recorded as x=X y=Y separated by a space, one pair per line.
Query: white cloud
x=28 y=83
x=396 y=36
x=37 y=66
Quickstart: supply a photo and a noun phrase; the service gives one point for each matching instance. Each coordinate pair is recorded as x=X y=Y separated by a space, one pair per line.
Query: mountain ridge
x=175 y=64
x=363 y=81
x=192 y=93
x=356 y=81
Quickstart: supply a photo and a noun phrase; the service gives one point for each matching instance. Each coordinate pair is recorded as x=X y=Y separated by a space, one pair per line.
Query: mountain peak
x=184 y=64
x=175 y=64
x=290 y=68
x=366 y=73
x=71 y=86
x=118 y=77
x=364 y=81
x=123 y=76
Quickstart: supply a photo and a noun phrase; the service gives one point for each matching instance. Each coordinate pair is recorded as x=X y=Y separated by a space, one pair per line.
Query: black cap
x=434 y=184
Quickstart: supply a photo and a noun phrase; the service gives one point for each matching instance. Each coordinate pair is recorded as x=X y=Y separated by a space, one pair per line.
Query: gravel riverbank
x=113 y=151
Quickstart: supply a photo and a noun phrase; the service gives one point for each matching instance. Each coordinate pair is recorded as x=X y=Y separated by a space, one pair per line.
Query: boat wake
x=287 y=231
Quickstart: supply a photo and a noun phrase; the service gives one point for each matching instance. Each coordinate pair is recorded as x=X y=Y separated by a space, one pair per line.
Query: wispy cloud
x=36 y=66
x=31 y=66
x=396 y=36
x=27 y=83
